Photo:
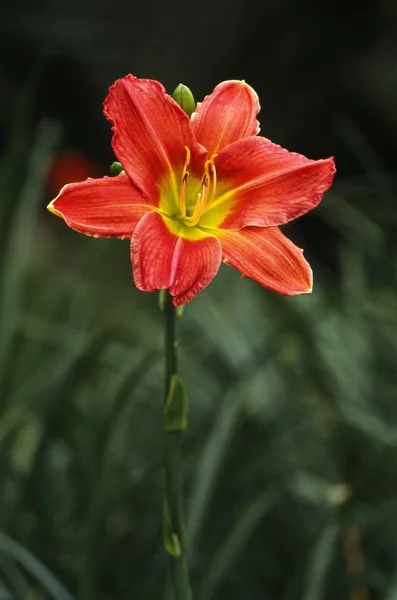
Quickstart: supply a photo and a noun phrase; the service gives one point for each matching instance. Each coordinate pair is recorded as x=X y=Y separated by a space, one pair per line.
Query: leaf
x=231 y=547
x=34 y=567
x=316 y=579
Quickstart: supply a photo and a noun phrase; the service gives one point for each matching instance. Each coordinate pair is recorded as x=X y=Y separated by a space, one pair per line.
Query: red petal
x=226 y=115
x=268 y=257
x=264 y=184
x=106 y=207
x=163 y=260
x=150 y=133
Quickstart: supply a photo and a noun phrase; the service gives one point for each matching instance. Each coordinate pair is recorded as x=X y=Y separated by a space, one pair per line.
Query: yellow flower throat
x=190 y=212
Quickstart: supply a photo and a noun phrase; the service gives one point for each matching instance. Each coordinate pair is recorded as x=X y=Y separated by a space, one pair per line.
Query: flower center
x=192 y=212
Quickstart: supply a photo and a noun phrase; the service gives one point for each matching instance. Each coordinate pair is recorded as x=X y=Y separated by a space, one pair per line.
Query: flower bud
x=115 y=168
x=184 y=97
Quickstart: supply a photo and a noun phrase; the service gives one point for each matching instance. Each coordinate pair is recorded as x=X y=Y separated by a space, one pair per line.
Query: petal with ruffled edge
x=226 y=115
x=167 y=255
x=263 y=184
x=107 y=207
x=269 y=257
x=150 y=135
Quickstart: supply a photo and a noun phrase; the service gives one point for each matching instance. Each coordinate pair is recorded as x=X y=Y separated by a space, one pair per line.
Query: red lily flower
x=198 y=191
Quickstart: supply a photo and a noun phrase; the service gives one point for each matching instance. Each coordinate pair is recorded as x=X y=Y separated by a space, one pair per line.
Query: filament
x=205 y=197
x=185 y=177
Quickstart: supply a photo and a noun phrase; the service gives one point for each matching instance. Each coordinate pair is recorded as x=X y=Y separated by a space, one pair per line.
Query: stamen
x=187 y=159
x=205 y=185
x=200 y=202
x=182 y=195
x=204 y=198
x=213 y=185
x=185 y=177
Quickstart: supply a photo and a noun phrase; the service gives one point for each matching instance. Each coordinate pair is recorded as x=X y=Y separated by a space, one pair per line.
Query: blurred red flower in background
x=68 y=167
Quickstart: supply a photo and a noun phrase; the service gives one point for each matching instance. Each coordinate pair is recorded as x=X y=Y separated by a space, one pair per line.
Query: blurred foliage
x=290 y=451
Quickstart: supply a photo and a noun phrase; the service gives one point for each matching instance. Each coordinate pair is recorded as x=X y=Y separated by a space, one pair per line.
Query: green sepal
x=115 y=168
x=184 y=97
x=170 y=539
x=175 y=411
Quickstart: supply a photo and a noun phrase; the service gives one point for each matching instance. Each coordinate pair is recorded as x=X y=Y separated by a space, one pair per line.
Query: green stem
x=169 y=341
x=179 y=567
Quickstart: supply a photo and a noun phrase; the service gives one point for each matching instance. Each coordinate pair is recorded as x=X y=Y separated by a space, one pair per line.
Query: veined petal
x=150 y=134
x=107 y=207
x=264 y=184
x=269 y=257
x=162 y=259
x=226 y=115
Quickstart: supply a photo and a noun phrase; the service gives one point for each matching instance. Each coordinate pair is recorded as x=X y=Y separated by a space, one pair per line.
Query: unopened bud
x=184 y=97
x=115 y=168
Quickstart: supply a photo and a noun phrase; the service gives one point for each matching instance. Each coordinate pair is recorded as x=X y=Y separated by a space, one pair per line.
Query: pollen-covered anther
x=184 y=179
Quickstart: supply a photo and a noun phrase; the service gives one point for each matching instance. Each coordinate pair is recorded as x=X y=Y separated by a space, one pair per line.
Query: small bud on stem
x=115 y=168
x=184 y=97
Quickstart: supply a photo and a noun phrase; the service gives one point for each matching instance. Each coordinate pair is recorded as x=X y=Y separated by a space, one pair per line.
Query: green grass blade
x=323 y=552
x=232 y=546
x=34 y=567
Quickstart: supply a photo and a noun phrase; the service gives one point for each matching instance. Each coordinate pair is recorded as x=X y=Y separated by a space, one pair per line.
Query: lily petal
x=226 y=115
x=163 y=260
x=107 y=207
x=269 y=257
x=264 y=184
x=150 y=134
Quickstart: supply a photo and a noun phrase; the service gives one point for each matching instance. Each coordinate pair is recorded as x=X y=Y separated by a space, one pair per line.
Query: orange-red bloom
x=198 y=191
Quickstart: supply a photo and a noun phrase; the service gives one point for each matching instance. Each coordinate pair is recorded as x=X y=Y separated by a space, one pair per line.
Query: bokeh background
x=291 y=452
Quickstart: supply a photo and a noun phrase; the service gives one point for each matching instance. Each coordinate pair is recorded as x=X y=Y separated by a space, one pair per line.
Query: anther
x=185 y=177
